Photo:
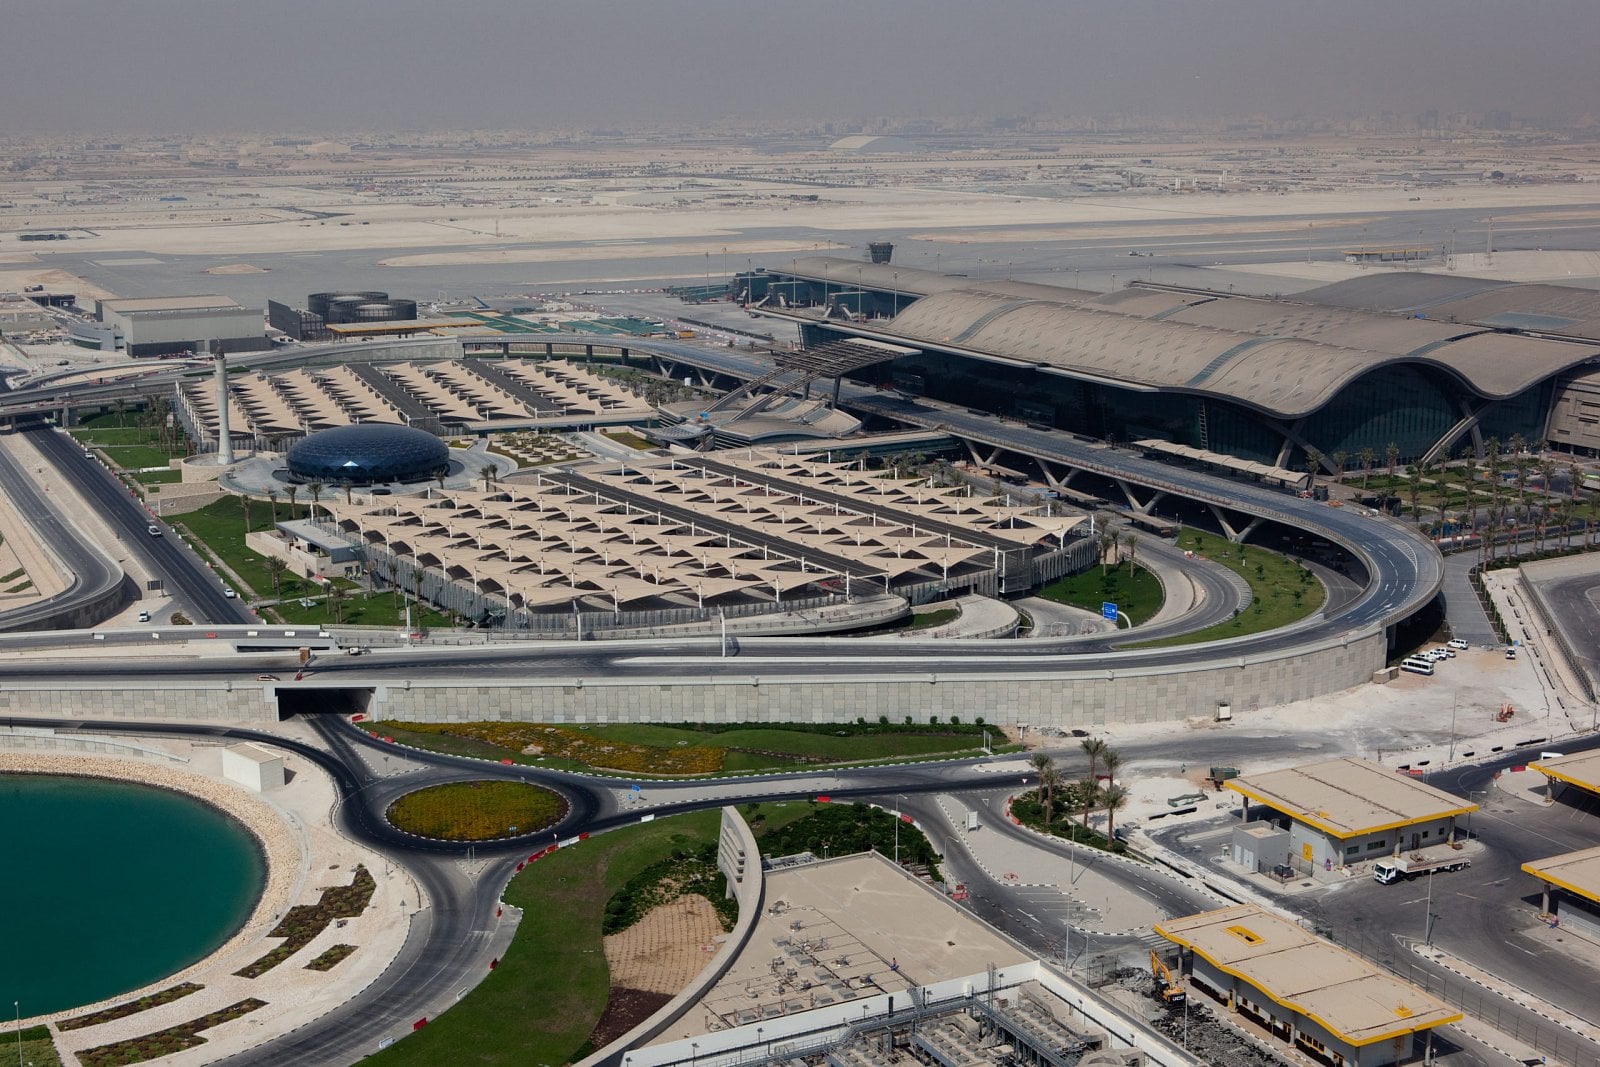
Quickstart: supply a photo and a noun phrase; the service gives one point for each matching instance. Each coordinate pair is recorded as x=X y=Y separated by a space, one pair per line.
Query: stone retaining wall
x=1059 y=698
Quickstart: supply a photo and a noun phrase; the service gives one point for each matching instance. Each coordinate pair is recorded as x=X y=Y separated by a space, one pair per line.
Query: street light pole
x=898 y=797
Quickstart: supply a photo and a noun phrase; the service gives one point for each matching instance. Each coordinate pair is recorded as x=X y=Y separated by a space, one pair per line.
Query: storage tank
x=318 y=303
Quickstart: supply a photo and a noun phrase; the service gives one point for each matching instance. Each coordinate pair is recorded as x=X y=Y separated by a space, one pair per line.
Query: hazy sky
x=332 y=65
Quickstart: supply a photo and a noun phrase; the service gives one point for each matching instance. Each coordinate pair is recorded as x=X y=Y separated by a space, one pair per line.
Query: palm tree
x=1112 y=798
x=1104 y=544
x=487 y=473
x=336 y=598
x=1366 y=457
x=1116 y=540
x=1414 y=487
x=272 y=495
x=1050 y=781
x=315 y=489
x=275 y=568
x=1594 y=513
x=292 y=492
x=1132 y=543
x=393 y=566
x=1088 y=795
x=1111 y=760
x=1391 y=456
x=440 y=475
x=348 y=488
x=1045 y=765
x=122 y=410
x=1094 y=748
x=244 y=502
x=1313 y=464
x=1340 y=458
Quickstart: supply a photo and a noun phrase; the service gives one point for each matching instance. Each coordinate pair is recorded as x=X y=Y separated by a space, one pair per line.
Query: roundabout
x=480 y=810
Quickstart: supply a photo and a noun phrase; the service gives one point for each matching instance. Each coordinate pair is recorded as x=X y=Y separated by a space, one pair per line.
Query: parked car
x=1457 y=643
x=144 y=616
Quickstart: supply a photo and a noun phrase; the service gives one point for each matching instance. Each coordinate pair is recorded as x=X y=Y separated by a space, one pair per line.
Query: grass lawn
x=1281 y=590
x=742 y=749
x=379 y=609
x=632 y=440
x=220 y=526
x=476 y=811
x=1139 y=595
x=132 y=457
x=36 y=1049
x=167 y=477
x=927 y=620
x=540 y=1005
x=109 y=433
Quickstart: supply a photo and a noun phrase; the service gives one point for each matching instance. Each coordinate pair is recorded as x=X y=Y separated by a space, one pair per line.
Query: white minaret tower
x=224 y=435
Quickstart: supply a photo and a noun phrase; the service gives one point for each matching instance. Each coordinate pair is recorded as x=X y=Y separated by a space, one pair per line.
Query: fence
x=1544 y=1036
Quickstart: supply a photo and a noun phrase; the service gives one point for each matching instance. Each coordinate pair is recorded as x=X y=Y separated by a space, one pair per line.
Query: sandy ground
x=664 y=950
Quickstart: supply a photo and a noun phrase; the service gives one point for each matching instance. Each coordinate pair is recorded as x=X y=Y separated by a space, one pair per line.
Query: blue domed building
x=368 y=453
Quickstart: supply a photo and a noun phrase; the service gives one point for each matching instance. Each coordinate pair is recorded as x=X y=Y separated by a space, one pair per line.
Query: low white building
x=252 y=766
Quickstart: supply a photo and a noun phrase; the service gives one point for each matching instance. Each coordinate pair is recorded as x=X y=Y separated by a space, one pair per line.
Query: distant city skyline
x=217 y=66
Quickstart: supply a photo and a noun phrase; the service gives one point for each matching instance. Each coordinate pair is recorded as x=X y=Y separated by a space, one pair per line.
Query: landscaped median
x=1281 y=590
x=476 y=811
x=694 y=749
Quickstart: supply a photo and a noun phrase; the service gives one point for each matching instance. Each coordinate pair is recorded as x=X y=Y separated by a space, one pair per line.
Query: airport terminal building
x=1433 y=364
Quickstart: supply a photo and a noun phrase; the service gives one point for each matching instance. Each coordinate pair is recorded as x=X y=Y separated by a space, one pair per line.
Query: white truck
x=1403 y=869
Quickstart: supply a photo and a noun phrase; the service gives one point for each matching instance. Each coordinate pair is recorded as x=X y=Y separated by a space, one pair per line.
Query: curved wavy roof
x=1283 y=358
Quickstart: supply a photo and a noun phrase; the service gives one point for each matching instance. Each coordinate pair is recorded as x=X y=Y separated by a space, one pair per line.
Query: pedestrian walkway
x=1462 y=609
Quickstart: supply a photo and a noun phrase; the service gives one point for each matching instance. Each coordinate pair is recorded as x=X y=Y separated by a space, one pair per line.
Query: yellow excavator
x=1168 y=991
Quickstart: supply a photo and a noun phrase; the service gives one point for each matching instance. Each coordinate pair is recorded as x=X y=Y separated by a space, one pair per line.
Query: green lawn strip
x=632 y=440
x=131 y=1007
x=132 y=457
x=926 y=620
x=35 y=1049
x=476 y=811
x=20 y=586
x=303 y=922
x=14 y=575
x=543 y=1000
x=1138 y=595
x=331 y=958
x=112 y=434
x=795 y=749
x=166 y=477
x=1274 y=580
x=165 y=1042
x=379 y=609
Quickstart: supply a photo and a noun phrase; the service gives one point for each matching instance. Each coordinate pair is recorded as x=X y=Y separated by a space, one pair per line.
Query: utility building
x=1342 y=811
x=1571 y=893
x=168 y=325
x=1306 y=991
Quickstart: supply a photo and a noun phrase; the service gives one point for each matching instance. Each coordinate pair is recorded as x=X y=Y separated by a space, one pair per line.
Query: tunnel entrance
x=301 y=699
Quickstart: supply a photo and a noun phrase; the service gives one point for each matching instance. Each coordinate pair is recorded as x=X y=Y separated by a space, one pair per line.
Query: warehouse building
x=1571 y=890
x=171 y=325
x=1307 y=992
x=1347 y=810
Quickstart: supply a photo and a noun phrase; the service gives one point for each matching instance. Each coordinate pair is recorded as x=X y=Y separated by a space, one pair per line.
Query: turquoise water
x=109 y=886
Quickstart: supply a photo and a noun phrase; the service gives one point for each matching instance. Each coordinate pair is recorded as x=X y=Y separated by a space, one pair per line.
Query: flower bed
x=132 y=1007
x=560 y=742
x=331 y=958
x=165 y=1042
x=476 y=811
x=305 y=921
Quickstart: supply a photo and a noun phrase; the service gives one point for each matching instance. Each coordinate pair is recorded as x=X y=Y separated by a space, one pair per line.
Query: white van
x=1417 y=665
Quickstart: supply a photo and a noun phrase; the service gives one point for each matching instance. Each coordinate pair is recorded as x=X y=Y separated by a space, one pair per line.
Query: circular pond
x=110 y=886
x=477 y=811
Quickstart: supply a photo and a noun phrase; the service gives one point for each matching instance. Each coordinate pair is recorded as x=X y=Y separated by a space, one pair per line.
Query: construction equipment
x=1168 y=991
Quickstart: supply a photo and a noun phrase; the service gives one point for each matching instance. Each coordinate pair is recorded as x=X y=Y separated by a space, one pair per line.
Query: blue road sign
x=1108 y=610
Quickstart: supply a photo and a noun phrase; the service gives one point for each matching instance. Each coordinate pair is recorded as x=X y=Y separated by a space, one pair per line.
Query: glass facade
x=1412 y=406
x=366 y=454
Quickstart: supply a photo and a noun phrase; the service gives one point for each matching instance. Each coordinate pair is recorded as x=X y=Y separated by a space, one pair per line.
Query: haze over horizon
x=221 y=66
